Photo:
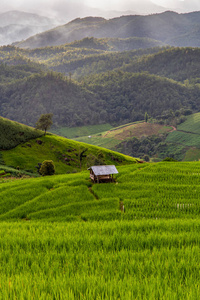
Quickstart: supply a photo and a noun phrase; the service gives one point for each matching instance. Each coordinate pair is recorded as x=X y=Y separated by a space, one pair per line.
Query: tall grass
x=106 y=260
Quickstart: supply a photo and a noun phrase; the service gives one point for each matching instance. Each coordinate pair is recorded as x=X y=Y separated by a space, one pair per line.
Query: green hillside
x=113 y=137
x=65 y=154
x=13 y=134
x=140 y=139
x=26 y=147
x=64 y=237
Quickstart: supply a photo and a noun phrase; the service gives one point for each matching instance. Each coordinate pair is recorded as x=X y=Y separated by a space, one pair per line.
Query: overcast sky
x=59 y=6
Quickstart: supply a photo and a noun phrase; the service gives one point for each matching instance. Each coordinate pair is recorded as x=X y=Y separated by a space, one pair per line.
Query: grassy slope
x=24 y=147
x=111 y=138
x=65 y=154
x=163 y=190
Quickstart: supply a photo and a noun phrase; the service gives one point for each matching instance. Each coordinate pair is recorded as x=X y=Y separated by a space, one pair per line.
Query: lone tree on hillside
x=44 y=122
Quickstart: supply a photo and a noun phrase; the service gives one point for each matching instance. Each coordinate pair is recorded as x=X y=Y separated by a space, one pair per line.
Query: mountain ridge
x=164 y=27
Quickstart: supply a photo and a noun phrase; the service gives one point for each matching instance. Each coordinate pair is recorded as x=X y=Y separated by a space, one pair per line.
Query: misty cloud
x=63 y=11
x=73 y=7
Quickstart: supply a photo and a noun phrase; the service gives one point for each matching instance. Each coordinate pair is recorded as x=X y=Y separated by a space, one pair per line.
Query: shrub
x=146 y=158
x=170 y=159
x=47 y=168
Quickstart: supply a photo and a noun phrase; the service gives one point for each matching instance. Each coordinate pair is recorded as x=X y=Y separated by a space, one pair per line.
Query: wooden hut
x=102 y=173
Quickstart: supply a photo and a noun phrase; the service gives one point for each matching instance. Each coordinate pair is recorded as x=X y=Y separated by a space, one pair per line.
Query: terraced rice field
x=187 y=133
x=164 y=190
x=63 y=238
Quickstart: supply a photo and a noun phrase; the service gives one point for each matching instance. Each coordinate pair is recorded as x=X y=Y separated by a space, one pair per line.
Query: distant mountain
x=17 y=26
x=168 y=27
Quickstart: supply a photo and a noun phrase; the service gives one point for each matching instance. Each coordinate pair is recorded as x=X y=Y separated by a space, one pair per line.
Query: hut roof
x=104 y=170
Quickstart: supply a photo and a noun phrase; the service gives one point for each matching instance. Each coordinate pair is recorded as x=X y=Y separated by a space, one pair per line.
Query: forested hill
x=26 y=99
x=112 y=97
x=86 y=58
x=114 y=87
x=116 y=44
x=177 y=63
x=127 y=96
x=169 y=27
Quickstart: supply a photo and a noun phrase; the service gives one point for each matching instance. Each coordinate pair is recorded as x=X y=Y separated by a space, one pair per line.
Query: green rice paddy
x=61 y=237
x=187 y=133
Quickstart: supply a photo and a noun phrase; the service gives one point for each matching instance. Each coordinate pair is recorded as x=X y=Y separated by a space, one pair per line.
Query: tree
x=47 y=168
x=146 y=117
x=44 y=122
x=82 y=155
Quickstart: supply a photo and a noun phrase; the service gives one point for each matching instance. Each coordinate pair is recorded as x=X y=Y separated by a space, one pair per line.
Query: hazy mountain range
x=17 y=25
x=168 y=28
x=20 y=20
